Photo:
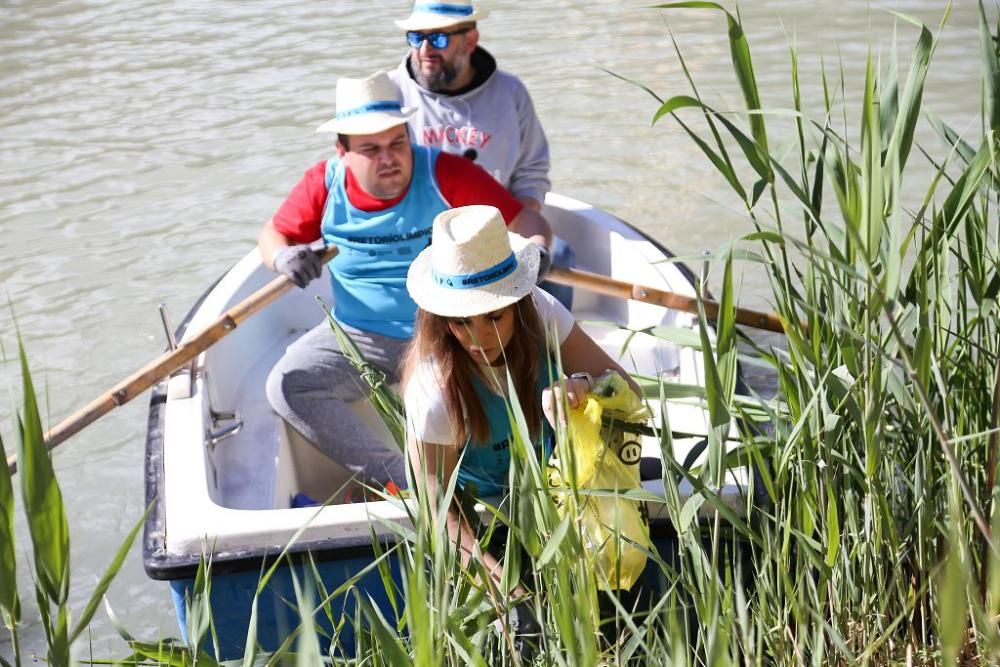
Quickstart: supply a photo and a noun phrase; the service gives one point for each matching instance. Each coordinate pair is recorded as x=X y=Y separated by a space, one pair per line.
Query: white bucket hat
x=430 y=15
x=367 y=106
x=473 y=264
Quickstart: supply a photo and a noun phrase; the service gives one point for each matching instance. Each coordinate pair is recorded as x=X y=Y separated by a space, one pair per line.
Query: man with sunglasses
x=466 y=106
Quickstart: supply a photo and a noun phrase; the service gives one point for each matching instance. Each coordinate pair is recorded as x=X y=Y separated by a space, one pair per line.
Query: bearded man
x=465 y=104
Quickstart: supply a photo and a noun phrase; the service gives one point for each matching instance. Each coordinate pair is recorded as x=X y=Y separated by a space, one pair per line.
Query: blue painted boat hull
x=232 y=596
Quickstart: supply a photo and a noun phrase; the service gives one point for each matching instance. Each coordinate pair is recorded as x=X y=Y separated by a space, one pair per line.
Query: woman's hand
x=552 y=398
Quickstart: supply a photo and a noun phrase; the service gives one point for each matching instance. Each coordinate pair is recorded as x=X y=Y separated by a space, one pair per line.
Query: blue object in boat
x=302 y=500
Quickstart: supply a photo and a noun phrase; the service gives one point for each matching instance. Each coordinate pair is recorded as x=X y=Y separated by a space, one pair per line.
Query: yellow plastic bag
x=605 y=458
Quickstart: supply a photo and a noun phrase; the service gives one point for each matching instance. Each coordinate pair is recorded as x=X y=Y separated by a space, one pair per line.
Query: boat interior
x=252 y=462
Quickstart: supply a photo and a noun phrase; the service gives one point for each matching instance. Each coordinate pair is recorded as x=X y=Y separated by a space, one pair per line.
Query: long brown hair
x=434 y=343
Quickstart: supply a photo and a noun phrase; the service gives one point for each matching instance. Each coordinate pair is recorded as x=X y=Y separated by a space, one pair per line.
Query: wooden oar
x=595 y=282
x=167 y=363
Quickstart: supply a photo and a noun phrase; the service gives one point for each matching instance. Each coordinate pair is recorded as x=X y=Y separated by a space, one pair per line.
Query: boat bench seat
x=302 y=468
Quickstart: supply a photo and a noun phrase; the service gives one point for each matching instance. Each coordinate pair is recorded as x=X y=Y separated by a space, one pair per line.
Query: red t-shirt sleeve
x=301 y=215
x=463 y=183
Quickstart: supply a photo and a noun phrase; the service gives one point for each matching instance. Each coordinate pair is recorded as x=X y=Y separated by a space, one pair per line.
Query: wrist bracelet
x=584 y=375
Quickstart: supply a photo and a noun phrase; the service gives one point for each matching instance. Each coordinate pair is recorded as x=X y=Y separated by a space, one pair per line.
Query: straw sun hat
x=473 y=265
x=430 y=15
x=367 y=106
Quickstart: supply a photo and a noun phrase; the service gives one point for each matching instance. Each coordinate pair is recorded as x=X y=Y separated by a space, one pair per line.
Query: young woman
x=479 y=318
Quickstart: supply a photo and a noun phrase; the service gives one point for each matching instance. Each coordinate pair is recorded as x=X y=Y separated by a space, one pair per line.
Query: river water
x=142 y=145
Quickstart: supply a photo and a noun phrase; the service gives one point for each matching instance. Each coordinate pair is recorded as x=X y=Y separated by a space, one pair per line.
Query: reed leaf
x=954 y=620
x=904 y=113
x=990 y=58
x=386 y=402
x=757 y=159
x=47 y=524
x=250 y=646
x=43 y=504
x=720 y=374
x=872 y=185
x=420 y=619
x=307 y=644
x=198 y=607
x=163 y=653
x=832 y=528
x=10 y=603
x=739 y=51
x=390 y=648
x=719 y=160
x=952 y=138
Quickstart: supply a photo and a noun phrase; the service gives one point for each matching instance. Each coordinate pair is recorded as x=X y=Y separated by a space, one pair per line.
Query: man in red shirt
x=376 y=199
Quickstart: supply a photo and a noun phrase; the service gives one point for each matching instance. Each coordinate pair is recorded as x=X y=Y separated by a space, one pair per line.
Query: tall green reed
x=386 y=402
x=880 y=474
x=49 y=536
x=450 y=613
x=10 y=602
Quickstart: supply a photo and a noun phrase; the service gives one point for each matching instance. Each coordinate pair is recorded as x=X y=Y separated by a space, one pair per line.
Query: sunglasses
x=438 y=40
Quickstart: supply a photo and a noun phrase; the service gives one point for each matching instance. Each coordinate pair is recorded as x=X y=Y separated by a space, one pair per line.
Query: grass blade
x=393 y=652
x=42 y=498
x=10 y=603
x=991 y=70
x=739 y=51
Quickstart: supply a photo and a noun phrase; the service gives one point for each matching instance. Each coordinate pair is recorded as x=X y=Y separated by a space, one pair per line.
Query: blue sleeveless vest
x=377 y=248
x=486 y=464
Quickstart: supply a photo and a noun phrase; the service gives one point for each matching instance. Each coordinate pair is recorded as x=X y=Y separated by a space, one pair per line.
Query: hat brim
x=369 y=123
x=452 y=302
x=427 y=21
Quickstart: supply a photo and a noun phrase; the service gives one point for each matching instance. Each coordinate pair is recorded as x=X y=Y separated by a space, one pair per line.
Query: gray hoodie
x=493 y=123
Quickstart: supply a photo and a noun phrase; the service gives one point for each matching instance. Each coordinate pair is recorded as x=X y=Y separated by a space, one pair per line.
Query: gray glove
x=299 y=262
x=544 y=263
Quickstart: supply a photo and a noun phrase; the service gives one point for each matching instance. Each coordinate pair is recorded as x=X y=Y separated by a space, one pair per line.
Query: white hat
x=473 y=264
x=367 y=106
x=429 y=15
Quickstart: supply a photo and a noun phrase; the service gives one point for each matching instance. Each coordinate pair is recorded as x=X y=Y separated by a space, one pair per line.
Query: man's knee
x=276 y=389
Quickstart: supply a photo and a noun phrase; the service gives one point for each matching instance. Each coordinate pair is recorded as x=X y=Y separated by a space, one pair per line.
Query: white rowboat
x=223 y=469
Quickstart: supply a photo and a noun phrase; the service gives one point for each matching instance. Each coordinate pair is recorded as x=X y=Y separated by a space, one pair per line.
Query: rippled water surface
x=142 y=145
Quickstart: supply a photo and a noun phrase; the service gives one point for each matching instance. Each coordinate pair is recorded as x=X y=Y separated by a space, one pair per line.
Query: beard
x=440 y=80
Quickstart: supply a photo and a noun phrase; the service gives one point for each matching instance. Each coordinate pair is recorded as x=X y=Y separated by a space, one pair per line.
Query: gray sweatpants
x=311 y=387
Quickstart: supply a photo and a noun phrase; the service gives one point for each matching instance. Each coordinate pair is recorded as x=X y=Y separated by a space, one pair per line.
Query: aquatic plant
x=49 y=537
x=875 y=543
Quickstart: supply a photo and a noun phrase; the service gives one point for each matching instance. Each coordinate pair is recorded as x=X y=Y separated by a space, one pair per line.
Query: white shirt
x=426 y=417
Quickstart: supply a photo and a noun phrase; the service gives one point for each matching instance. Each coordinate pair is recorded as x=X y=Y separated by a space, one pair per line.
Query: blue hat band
x=370 y=108
x=443 y=8
x=480 y=278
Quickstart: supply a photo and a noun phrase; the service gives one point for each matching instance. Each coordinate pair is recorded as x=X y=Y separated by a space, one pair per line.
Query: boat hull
x=233 y=592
